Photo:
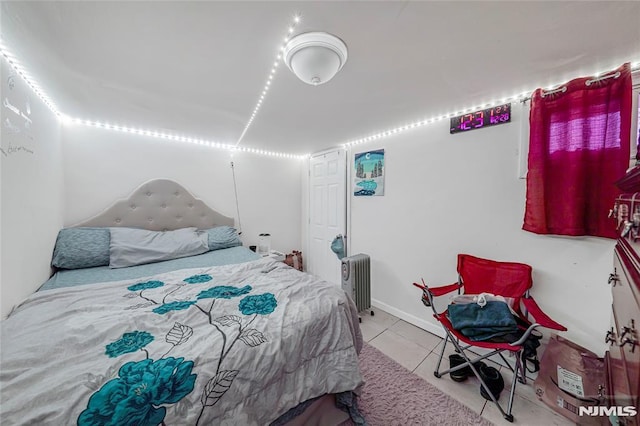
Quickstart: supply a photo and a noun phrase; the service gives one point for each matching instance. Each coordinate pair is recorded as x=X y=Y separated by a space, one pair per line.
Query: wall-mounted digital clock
x=479 y=119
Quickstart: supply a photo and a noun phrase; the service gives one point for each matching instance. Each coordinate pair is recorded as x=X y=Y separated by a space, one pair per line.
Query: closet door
x=327 y=212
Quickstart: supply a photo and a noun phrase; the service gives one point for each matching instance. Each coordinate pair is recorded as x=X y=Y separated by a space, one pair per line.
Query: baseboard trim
x=412 y=319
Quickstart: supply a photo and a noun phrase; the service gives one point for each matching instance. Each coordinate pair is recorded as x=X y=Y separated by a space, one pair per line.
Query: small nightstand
x=275 y=255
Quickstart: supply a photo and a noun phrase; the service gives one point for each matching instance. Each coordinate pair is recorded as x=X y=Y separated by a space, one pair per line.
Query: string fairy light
x=635 y=66
x=67 y=120
x=175 y=138
x=35 y=87
x=31 y=82
x=274 y=68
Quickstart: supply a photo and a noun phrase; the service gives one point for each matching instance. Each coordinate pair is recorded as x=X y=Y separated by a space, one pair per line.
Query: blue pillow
x=222 y=237
x=81 y=248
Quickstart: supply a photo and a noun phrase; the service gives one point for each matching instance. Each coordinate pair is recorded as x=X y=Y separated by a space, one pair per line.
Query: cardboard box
x=571 y=377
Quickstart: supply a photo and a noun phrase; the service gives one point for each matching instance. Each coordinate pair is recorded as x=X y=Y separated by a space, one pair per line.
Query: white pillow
x=130 y=246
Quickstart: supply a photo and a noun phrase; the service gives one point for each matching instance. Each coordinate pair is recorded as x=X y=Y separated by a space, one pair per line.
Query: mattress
x=73 y=277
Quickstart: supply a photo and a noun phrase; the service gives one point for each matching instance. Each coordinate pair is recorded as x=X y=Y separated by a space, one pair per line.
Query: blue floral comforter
x=228 y=345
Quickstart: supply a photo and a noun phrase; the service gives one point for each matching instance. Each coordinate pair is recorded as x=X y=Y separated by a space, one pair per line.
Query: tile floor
x=418 y=351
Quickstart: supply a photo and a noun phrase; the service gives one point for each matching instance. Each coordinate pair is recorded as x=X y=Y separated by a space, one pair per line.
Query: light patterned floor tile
x=416 y=334
x=524 y=412
x=379 y=317
x=399 y=348
x=371 y=330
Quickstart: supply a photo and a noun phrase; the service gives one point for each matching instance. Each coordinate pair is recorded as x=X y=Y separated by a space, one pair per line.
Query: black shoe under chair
x=490 y=375
x=493 y=380
x=462 y=374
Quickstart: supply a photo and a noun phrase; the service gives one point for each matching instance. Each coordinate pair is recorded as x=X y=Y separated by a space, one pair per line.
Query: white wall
x=32 y=192
x=448 y=194
x=102 y=165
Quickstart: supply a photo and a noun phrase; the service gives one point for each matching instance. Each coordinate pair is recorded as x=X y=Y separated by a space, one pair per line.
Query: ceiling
x=197 y=68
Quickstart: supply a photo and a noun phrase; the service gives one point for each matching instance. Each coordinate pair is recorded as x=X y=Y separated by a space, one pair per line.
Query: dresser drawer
x=617 y=390
x=627 y=351
x=629 y=257
x=626 y=314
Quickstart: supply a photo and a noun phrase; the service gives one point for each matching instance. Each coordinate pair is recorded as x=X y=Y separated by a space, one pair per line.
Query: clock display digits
x=466 y=122
x=479 y=119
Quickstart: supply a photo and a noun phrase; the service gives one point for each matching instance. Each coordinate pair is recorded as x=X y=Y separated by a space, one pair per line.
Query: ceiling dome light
x=315 y=57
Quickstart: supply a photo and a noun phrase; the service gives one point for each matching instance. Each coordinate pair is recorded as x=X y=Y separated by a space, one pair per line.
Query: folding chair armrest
x=445 y=289
x=438 y=291
x=526 y=335
x=428 y=293
x=540 y=317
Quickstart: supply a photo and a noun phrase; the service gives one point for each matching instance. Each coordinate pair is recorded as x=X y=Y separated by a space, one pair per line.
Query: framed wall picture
x=368 y=176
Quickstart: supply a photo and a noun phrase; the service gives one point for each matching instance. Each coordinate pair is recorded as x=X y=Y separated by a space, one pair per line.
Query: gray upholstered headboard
x=159 y=205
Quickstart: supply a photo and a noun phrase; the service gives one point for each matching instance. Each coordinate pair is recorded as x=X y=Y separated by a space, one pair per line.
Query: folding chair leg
x=514 y=382
x=444 y=345
x=522 y=377
x=523 y=373
x=507 y=415
x=507 y=363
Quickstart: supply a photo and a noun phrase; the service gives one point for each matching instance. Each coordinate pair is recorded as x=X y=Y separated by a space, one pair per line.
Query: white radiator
x=356 y=280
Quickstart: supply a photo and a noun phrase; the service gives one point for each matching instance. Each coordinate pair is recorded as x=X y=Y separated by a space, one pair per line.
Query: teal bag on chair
x=337 y=246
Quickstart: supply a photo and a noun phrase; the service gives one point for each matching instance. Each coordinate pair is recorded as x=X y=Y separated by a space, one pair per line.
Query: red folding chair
x=509 y=279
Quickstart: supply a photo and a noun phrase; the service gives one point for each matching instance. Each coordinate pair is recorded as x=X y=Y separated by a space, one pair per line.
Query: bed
x=224 y=337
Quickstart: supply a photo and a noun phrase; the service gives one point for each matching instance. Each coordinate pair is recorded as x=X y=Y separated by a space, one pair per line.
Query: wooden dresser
x=623 y=356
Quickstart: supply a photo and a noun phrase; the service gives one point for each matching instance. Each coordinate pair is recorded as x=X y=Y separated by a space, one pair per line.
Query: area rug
x=393 y=395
